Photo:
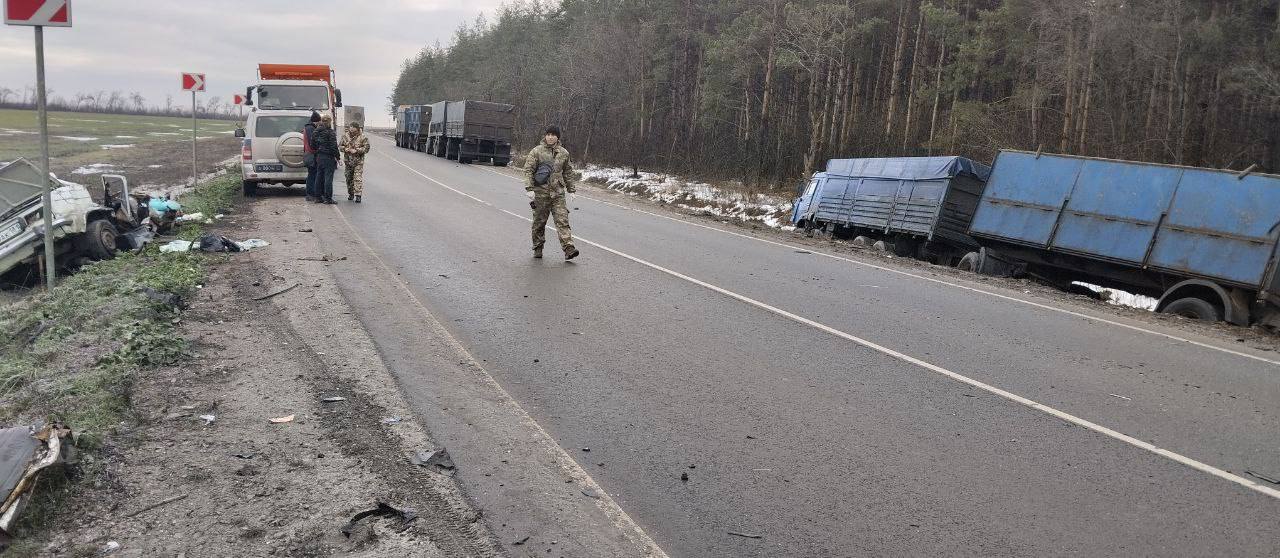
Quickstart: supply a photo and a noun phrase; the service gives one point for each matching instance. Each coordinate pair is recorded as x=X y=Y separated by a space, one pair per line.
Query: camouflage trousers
x=355 y=176
x=546 y=205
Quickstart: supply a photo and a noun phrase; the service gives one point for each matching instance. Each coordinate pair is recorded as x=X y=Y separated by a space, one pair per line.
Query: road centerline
x=1007 y=395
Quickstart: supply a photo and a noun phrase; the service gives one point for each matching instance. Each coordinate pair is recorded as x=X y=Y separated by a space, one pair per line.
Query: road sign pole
x=42 y=115
x=193 y=139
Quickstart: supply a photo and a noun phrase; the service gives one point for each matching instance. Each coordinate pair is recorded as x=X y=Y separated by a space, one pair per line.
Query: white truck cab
x=282 y=101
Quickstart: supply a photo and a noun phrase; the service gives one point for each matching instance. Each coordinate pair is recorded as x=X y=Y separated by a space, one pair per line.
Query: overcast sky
x=144 y=45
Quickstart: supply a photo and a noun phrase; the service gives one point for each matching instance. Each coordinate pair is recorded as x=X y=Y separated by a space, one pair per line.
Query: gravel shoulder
x=245 y=486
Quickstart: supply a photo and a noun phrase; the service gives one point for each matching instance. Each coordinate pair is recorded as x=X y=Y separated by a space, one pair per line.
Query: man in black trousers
x=326 y=145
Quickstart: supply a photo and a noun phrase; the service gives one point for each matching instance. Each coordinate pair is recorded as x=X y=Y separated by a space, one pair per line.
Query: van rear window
x=276 y=126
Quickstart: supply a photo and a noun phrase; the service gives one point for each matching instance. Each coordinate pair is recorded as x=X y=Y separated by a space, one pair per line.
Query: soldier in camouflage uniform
x=354 y=146
x=549 y=198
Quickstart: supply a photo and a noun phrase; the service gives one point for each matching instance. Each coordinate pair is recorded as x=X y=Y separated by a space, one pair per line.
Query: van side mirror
x=239 y=132
x=248 y=96
x=337 y=98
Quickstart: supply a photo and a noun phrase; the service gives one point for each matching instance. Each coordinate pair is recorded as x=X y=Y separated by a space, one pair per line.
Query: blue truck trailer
x=921 y=206
x=417 y=118
x=1202 y=241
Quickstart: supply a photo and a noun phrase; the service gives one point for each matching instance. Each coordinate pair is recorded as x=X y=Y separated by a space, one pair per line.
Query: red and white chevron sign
x=192 y=82
x=48 y=13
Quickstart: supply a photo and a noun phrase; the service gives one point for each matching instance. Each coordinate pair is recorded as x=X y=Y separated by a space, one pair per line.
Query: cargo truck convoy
x=463 y=131
x=1202 y=241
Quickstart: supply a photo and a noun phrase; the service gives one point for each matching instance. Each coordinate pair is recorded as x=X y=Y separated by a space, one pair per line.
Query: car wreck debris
x=24 y=453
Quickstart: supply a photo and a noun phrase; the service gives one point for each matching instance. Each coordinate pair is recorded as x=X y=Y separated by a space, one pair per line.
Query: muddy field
x=154 y=152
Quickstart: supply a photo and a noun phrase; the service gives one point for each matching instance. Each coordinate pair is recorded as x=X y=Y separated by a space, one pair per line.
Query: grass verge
x=71 y=354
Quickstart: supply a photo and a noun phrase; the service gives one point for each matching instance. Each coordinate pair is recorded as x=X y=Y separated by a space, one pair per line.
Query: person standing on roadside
x=326 y=145
x=549 y=181
x=354 y=147
x=309 y=154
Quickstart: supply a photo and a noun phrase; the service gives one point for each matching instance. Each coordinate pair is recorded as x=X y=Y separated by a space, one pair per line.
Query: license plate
x=268 y=168
x=10 y=231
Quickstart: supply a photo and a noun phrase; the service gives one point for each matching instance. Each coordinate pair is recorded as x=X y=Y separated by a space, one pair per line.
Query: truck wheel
x=250 y=188
x=99 y=240
x=1194 y=308
x=904 y=248
x=500 y=162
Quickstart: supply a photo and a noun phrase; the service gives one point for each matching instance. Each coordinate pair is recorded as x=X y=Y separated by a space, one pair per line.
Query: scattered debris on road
x=208 y=419
x=163 y=502
x=1262 y=477
x=1119 y=397
x=438 y=457
x=279 y=292
x=382 y=509
x=746 y=535
x=334 y=399
x=520 y=542
x=590 y=493
x=281 y=420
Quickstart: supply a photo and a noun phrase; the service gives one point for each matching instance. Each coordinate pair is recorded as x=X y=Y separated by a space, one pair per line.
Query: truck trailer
x=469 y=131
x=1202 y=241
x=921 y=206
x=417 y=118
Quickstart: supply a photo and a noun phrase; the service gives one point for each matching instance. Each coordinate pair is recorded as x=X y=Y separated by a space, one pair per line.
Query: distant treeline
x=766 y=90
x=117 y=102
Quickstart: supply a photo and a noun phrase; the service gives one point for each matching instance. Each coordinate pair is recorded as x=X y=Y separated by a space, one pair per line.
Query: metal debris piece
x=390 y=420
x=520 y=542
x=208 y=419
x=1262 y=477
x=279 y=292
x=383 y=509
x=746 y=535
x=24 y=453
x=438 y=457
x=334 y=399
x=163 y=502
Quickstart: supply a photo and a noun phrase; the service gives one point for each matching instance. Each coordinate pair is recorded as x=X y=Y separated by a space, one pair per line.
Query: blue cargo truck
x=417 y=118
x=1202 y=241
x=921 y=206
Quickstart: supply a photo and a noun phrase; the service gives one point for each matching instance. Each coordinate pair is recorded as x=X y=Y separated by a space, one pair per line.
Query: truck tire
x=904 y=248
x=1194 y=308
x=250 y=188
x=99 y=240
x=500 y=162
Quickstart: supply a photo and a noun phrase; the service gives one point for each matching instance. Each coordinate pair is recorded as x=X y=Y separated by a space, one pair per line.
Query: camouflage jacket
x=562 y=175
x=354 y=146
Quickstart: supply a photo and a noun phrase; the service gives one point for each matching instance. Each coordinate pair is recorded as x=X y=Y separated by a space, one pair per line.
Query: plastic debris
x=208 y=419
x=382 y=509
x=177 y=246
x=252 y=243
x=282 y=420
x=197 y=216
x=390 y=420
x=24 y=453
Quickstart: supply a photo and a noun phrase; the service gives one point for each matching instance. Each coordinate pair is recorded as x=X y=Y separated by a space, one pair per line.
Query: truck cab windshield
x=293 y=97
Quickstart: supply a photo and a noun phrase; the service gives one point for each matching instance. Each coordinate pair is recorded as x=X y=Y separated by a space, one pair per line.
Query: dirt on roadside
x=204 y=471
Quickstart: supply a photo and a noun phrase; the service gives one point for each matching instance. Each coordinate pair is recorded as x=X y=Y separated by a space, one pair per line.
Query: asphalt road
x=834 y=407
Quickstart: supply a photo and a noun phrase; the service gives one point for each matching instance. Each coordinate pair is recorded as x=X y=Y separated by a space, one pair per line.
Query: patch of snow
x=16 y=132
x=155 y=166
x=1122 y=298
x=117 y=146
x=697 y=197
x=96 y=168
x=76 y=138
x=163 y=134
x=126 y=137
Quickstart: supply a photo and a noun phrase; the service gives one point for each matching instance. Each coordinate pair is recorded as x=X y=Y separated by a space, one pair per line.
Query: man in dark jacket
x=326 y=145
x=309 y=155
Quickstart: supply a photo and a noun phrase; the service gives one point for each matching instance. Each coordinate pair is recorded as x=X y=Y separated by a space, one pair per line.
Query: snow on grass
x=76 y=138
x=95 y=168
x=1122 y=298
x=155 y=166
x=698 y=197
x=126 y=137
x=163 y=134
x=117 y=145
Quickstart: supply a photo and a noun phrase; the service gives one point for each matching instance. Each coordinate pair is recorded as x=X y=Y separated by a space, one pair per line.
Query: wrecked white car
x=83 y=230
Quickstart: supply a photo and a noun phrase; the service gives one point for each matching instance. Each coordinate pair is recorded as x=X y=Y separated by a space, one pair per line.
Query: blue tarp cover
x=908 y=168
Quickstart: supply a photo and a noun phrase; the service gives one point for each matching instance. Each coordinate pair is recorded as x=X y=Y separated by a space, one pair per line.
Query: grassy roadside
x=71 y=354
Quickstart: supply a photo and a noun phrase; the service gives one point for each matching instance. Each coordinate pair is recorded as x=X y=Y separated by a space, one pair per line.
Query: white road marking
x=617 y=515
x=934 y=280
x=1063 y=415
